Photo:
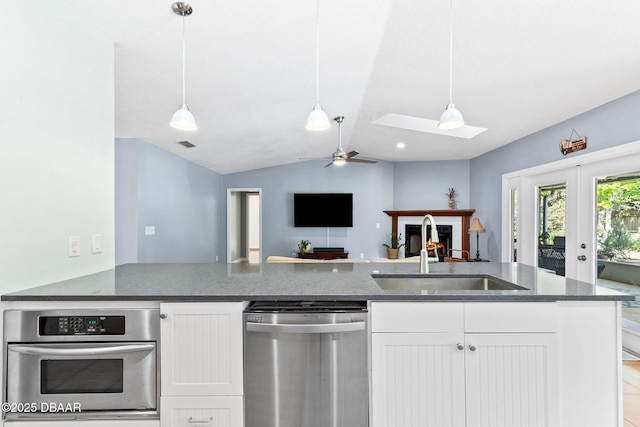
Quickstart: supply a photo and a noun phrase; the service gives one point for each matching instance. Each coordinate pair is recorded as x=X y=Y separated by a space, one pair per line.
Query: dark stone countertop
x=298 y=281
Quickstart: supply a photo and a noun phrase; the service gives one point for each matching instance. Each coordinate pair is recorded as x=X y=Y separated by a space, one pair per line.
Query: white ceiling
x=518 y=67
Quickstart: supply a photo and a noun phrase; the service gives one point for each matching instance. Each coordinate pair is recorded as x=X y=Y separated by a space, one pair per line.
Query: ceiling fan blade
x=350 y=154
x=361 y=160
x=328 y=165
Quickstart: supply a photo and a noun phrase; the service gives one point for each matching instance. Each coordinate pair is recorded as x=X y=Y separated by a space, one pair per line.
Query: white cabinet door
x=417 y=380
x=511 y=380
x=218 y=411
x=201 y=349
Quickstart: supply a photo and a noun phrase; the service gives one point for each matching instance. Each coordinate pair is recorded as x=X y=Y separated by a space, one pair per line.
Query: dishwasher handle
x=306 y=328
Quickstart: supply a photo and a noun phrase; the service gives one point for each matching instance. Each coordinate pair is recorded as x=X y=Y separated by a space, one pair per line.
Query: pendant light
x=182 y=119
x=317 y=119
x=451 y=118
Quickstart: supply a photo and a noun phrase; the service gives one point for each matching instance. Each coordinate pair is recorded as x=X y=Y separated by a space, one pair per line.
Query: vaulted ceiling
x=518 y=67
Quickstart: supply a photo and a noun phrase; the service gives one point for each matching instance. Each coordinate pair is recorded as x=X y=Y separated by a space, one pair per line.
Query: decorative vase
x=392 y=253
x=450 y=203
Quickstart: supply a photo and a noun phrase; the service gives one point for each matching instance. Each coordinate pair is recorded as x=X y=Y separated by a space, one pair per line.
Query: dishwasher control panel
x=81 y=325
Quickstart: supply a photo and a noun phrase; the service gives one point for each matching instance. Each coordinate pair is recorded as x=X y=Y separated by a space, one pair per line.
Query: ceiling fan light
x=182 y=119
x=317 y=119
x=451 y=118
x=339 y=162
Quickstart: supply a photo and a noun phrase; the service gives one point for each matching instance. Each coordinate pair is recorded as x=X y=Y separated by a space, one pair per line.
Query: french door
x=525 y=194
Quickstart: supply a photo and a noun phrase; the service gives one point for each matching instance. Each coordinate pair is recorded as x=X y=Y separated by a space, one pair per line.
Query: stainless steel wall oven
x=81 y=363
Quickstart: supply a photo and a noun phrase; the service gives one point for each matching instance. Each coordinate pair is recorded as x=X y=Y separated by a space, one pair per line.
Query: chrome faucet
x=424 y=255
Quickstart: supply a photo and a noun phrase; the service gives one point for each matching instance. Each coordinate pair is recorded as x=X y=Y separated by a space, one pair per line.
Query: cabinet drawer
x=218 y=411
x=416 y=317
x=510 y=317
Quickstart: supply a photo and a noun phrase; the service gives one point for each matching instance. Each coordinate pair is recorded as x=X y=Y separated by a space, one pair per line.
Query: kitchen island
x=532 y=355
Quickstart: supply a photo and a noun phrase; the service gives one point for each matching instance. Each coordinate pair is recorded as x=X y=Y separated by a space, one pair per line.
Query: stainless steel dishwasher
x=306 y=364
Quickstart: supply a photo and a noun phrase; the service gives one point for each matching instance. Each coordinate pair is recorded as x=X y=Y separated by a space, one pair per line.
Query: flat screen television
x=323 y=210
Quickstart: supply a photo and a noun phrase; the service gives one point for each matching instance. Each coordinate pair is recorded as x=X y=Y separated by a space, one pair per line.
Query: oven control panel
x=81 y=325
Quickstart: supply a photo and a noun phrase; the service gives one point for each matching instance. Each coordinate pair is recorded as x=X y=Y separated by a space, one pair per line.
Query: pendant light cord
x=318 y=51
x=451 y=52
x=184 y=90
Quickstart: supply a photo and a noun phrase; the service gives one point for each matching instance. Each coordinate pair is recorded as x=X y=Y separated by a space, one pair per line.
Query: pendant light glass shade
x=182 y=119
x=451 y=118
x=317 y=119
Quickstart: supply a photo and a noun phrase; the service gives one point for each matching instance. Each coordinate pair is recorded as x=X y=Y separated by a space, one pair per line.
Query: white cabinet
x=218 y=411
x=417 y=380
x=201 y=364
x=488 y=378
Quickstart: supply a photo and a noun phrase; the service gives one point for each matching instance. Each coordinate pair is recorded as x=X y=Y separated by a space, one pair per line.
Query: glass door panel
x=551 y=226
x=514 y=224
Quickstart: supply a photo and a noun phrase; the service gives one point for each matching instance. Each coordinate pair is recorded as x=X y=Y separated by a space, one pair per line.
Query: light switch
x=377 y=225
x=96 y=243
x=149 y=230
x=74 y=246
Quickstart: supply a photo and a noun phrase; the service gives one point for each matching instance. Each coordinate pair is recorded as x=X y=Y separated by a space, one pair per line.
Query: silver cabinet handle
x=87 y=351
x=306 y=328
x=191 y=421
x=163 y=315
x=582 y=258
x=472 y=347
x=459 y=346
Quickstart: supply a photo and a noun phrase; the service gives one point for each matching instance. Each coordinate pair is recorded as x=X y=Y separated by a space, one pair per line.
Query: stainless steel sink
x=427 y=283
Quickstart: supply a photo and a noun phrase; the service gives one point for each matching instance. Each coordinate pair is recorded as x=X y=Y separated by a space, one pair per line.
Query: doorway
x=244 y=225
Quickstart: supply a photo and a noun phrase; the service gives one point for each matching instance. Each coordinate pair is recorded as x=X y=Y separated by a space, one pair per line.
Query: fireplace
x=413 y=239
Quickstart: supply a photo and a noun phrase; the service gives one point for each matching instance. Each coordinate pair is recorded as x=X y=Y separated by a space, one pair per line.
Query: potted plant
x=304 y=246
x=394 y=247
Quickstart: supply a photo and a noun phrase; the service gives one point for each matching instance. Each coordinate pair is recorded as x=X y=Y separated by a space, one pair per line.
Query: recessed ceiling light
x=400 y=145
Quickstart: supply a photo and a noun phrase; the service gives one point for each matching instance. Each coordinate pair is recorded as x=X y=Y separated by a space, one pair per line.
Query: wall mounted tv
x=323 y=210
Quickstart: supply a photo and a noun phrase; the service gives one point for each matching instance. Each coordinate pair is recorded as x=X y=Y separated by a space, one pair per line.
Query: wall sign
x=572 y=145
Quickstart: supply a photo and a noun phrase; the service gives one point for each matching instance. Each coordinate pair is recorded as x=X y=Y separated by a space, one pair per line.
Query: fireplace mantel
x=464 y=214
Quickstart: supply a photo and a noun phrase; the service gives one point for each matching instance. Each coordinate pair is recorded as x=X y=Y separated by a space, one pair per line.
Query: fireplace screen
x=413 y=233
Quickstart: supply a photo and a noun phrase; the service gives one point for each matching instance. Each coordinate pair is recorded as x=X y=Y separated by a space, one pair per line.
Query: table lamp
x=478 y=228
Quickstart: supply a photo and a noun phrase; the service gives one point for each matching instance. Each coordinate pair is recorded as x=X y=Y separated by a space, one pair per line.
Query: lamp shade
x=317 y=119
x=451 y=118
x=182 y=119
x=476 y=226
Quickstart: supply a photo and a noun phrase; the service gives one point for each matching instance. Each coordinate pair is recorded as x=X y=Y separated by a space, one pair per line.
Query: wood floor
x=631 y=392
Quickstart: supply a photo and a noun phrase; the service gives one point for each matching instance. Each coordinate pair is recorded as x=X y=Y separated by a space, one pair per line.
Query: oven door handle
x=310 y=328
x=52 y=351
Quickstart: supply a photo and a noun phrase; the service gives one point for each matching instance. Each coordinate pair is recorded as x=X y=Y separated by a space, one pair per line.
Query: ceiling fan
x=340 y=157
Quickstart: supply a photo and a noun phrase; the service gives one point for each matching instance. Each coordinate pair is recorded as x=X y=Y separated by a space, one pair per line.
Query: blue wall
x=611 y=124
x=372 y=188
x=184 y=201
x=422 y=185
